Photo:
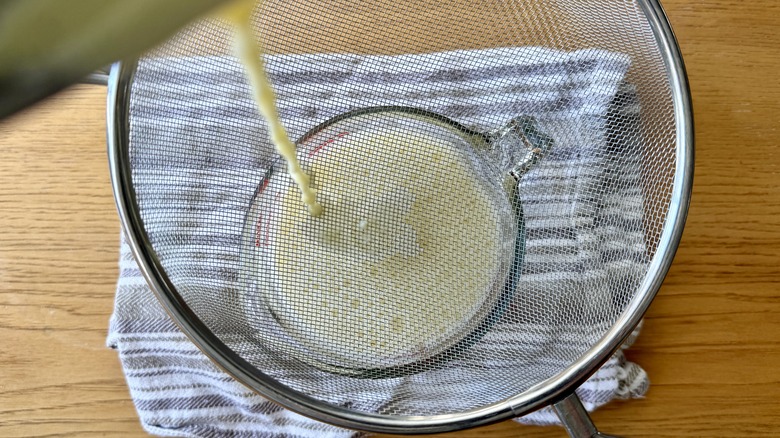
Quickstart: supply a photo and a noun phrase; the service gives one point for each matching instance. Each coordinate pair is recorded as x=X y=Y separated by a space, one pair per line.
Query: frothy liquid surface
x=403 y=257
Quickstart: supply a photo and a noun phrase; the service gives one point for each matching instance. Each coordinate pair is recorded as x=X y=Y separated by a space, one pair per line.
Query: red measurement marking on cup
x=259 y=226
x=263 y=233
x=263 y=185
x=325 y=143
x=258 y=230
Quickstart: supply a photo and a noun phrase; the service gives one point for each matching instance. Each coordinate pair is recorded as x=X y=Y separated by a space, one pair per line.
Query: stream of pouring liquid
x=249 y=50
x=401 y=265
x=368 y=282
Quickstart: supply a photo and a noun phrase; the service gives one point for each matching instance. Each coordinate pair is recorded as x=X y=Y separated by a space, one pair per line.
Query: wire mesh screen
x=429 y=285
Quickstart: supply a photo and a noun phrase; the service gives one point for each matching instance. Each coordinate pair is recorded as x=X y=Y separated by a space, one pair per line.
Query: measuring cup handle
x=576 y=419
x=522 y=132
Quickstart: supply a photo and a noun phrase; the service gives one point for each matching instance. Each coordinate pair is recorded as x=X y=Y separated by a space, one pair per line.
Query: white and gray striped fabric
x=179 y=392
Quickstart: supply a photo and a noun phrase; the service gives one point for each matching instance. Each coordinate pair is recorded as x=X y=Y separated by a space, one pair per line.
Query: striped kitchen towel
x=585 y=252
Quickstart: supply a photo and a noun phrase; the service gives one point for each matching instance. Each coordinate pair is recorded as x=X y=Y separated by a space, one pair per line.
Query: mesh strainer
x=504 y=185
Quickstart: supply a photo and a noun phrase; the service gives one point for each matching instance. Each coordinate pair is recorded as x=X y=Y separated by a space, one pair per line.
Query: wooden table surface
x=711 y=342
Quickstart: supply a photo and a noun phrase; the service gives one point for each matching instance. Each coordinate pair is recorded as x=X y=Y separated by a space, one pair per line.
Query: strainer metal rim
x=550 y=391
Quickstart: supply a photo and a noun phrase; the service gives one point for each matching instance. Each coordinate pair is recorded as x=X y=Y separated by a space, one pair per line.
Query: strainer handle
x=97 y=77
x=576 y=419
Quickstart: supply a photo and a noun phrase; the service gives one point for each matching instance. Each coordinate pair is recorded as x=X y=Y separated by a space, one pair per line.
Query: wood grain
x=711 y=344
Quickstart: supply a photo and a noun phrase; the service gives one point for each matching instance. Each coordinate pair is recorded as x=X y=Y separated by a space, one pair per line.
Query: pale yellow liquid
x=396 y=265
x=250 y=52
x=404 y=257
